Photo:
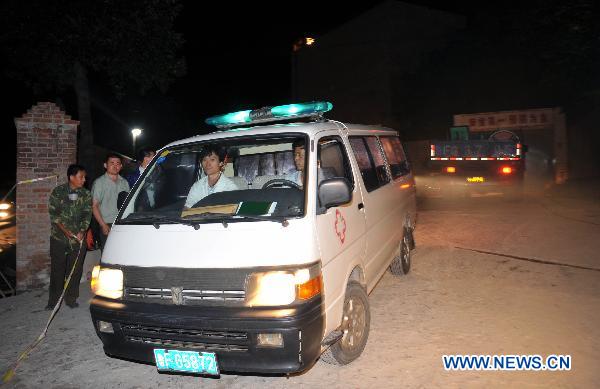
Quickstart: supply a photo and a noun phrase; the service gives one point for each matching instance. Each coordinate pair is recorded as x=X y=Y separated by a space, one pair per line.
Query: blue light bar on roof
x=270 y=114
x=239 y=117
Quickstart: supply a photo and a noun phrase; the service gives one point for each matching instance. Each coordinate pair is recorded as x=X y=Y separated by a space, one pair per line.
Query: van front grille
x=175 y=344
x=185 y=286
x=188 y=296
x=199 y=339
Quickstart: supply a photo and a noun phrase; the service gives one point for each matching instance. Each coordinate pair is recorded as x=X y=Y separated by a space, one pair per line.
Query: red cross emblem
x=340 y=225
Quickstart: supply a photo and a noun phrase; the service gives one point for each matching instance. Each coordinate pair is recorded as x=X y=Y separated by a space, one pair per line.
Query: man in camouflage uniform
x=70 y=208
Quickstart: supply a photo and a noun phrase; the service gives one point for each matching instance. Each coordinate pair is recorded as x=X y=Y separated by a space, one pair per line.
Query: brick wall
x=46 y=146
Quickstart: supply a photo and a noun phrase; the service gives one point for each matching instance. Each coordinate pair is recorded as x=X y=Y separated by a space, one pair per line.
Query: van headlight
x=272 y=288
x=107 y=282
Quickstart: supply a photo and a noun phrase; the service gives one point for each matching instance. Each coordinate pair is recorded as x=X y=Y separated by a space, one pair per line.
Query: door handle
x=361 y=206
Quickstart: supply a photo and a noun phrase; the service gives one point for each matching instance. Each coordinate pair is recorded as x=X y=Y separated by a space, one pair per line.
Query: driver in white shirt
x=213 y=163
x=299 y=154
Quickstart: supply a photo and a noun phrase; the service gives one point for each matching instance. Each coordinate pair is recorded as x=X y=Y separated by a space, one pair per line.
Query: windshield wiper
x=211 y=215
x=158 y=219
x=275 y=219
x=223 y=216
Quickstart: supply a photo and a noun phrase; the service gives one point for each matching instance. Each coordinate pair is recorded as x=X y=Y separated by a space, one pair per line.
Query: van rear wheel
x=401 y=264
x=356 y=322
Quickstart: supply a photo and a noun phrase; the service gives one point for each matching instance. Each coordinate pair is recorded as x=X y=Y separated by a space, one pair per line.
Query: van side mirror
x=334 y=192
x=121 y=199
x=524 y=148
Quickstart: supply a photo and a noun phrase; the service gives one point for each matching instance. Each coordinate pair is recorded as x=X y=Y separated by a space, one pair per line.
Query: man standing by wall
x=105 y=193
x=70 y=208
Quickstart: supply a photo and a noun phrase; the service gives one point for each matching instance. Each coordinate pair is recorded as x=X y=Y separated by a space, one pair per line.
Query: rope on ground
x=12 y=369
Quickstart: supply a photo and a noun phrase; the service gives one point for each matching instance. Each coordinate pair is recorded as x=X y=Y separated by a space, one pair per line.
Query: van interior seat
x=259 y=181
x=240 y=182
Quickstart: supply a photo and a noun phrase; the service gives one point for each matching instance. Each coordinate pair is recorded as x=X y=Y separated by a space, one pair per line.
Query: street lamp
x=135 y=133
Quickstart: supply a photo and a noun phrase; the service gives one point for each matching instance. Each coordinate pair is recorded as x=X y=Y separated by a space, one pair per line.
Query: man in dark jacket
x=70 y=208
x=144 y=156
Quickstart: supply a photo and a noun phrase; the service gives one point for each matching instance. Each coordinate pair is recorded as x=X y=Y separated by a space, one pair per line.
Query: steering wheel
x=280 y=182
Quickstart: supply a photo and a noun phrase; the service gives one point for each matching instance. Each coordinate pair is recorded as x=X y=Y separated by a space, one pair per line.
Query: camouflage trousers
x=62 y=258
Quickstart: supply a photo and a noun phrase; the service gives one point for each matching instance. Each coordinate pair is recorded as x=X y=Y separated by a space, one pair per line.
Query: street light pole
x=135 y=133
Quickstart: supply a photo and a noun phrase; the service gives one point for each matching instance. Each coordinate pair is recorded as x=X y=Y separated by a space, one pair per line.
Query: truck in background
x=482 y=162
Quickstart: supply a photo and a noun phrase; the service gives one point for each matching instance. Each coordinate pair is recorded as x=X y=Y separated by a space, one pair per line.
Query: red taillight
x=450 y=169
x=506 y=170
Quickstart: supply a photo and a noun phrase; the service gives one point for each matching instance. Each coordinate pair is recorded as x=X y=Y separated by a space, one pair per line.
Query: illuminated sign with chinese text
x=490 y=121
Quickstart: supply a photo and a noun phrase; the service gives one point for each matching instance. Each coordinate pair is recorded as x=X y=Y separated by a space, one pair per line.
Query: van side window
x=370 y=161
x=332 y=160
x=394 y=153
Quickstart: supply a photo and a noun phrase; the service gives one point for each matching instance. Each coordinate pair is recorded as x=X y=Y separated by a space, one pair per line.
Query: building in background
x=413 y=68
x=361 y=66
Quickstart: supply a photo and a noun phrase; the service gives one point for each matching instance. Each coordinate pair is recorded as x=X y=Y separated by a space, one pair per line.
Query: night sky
x=238 y=56
x=239 y=60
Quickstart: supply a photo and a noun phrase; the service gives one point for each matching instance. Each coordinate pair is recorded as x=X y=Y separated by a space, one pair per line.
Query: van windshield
x=250 y=178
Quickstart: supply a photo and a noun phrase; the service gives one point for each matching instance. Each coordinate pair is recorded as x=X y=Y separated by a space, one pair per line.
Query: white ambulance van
x=268 y=268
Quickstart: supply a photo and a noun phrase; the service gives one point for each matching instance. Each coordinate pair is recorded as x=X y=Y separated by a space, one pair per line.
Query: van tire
x=356 y=322
x=401 y=264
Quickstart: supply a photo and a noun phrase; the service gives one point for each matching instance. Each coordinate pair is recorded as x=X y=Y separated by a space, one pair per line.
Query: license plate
x=475 y=179
x=186 y=361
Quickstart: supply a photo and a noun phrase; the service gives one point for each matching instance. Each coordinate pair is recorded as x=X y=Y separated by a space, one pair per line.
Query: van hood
x=243 y=244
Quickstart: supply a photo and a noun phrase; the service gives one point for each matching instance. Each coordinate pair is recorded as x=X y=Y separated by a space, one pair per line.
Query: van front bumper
x=230 y=332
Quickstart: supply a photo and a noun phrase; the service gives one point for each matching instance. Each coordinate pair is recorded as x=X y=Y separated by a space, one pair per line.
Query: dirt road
x=458 y=299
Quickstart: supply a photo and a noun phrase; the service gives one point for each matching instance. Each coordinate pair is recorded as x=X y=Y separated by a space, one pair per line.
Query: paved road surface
x=458 y=299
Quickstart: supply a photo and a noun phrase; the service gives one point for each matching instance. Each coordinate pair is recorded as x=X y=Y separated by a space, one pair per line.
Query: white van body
x=349 y=244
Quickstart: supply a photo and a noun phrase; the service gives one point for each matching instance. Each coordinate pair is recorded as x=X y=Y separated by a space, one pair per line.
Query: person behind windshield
x=213 y=163
x=145 y=156
x=299 y=154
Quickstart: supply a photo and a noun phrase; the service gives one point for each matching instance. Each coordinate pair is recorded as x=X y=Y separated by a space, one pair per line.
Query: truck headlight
x=274 y=288
x=107 y=282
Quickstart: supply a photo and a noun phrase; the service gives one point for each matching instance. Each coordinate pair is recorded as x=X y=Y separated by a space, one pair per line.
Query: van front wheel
x=401 y=264
x=356 y=322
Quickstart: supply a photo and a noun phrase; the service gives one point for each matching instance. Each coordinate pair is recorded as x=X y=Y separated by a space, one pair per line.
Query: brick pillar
x=46 y=146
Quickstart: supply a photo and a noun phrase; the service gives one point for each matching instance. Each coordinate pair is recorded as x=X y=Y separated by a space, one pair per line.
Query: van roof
x=309 y=128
